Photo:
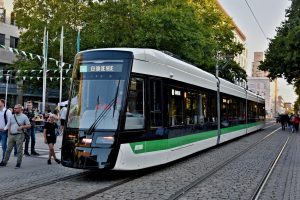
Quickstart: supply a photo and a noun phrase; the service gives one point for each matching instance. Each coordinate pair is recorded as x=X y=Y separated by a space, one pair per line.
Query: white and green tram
x=133 y=108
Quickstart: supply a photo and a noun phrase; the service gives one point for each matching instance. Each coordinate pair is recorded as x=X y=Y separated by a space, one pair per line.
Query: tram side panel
x=179 y=140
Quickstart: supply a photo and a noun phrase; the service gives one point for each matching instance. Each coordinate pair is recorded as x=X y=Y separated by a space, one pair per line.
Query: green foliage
x=283 y=54
x=192 y=29
x=32 y=17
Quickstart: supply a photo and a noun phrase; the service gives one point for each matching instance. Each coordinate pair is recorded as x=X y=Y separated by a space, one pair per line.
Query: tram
x=132 y=108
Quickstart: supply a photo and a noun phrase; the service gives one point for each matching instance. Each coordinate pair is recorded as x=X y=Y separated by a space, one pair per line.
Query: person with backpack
x=5 y=115
x=296 y=121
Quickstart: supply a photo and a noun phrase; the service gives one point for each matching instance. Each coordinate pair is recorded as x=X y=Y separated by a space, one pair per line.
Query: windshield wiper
x=115 y=102
x=104 y=112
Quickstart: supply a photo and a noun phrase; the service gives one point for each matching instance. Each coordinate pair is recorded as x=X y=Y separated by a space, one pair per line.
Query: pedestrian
x=63 y=116
x=296 y=121
x=29 y=112
x=5 y=115
x=50 y=137
x=282 y=121
x=17 y=124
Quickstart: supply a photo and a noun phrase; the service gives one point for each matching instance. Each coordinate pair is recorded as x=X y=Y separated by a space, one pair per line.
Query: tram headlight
x=105 y=140
x=87 y=140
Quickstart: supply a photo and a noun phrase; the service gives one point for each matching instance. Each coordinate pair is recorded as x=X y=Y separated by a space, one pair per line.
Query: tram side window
x=212 y=109
x=191 y=111
x=234 y=112
x=262 y=112
x=155 y=104
x=135 y=107
x=242 y=112
x=201 y=109
x=176 y=107
x=225 y=113
x=252 y=111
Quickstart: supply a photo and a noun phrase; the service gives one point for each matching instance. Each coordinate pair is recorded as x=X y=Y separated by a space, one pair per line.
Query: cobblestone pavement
x=240 y=178
x=165 y=182
x=69 y=189
x=34 y=169
x=160 y=184
x=284 y=182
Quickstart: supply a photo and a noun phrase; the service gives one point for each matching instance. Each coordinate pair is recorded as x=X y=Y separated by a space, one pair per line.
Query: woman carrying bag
x=50 y=137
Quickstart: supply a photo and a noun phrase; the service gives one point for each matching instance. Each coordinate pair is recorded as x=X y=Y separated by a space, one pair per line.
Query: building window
x=2 y=39
x=14 y=42
x=12 y=18
x=2 y=15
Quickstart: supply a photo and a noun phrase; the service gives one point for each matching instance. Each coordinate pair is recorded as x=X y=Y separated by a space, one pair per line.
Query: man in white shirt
x=63 y=116
x=5 y=115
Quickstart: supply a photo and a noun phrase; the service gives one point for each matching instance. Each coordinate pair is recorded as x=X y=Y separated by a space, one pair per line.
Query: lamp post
x=7 y=79
x=218 y=99
x=219 y=57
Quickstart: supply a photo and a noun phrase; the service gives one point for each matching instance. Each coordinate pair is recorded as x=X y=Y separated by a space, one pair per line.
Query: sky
x=270 y=14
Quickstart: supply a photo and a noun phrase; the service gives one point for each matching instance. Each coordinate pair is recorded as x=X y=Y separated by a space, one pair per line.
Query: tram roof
x=156 y=56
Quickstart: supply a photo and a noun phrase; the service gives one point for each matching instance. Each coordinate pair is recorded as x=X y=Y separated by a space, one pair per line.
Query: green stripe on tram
x=164 y=144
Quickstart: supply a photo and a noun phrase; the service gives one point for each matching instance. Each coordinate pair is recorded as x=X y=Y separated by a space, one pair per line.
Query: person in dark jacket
x=29 y=112
x=296 y=121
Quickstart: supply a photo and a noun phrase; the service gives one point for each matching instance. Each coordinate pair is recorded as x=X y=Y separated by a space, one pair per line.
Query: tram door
x=157 y=134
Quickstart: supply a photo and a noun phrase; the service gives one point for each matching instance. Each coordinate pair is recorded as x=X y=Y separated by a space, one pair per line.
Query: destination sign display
x=101 y=68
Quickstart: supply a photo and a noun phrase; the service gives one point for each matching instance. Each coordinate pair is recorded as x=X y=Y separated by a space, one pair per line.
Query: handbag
x=24 y=131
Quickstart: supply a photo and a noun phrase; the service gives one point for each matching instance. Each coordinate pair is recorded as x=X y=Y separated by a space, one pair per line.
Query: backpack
x=5 y=117
x=296 y=120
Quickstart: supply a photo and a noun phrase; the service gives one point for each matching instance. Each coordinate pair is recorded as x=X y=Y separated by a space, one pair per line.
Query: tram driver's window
x=135 y=107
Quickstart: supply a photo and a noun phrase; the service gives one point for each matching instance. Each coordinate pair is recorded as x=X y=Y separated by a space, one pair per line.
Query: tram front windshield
x=97 y=93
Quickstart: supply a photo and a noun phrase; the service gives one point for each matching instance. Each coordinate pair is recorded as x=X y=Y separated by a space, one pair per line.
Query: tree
x=283 y=55
x=282 y=58
x=32 y=17
x=192 y=29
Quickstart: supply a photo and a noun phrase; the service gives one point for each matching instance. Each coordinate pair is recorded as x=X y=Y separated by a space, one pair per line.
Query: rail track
x=180 y=193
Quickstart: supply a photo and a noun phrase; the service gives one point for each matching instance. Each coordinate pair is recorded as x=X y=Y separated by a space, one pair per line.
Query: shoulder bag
x=24 y=131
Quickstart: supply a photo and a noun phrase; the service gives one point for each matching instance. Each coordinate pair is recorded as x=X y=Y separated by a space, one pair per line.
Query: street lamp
x=7 y=79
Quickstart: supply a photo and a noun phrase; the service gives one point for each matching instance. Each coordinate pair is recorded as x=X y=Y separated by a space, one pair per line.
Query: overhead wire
x=256 y=20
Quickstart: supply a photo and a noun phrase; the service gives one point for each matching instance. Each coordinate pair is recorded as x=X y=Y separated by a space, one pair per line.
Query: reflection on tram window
x=191 y=102
x=155 y=104
x=176 y=108
x=135 y=106
x=95 y=98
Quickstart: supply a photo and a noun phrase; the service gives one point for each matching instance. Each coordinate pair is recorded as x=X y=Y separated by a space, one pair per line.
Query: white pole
x=7 y=78
x=45 y=46
x=61 y=62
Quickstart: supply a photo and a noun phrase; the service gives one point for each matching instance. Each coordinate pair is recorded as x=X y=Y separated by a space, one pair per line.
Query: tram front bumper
x=87 y=158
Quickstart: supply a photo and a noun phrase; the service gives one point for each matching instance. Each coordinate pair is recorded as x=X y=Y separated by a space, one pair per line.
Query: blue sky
x=270 y=14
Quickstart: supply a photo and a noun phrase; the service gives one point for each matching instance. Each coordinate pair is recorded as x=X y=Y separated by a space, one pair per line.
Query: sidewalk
x=40 y=147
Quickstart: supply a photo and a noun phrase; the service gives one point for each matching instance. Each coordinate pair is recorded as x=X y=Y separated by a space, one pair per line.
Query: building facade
x=258 y=57
x=261 y=86
x=240 y=37
x=274 y=103
x=9 y=37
